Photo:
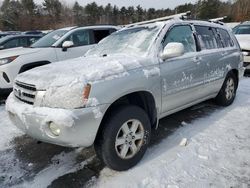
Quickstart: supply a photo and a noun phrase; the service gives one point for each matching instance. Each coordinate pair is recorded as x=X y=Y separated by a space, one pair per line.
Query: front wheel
x=124 y=138
x=227 y=93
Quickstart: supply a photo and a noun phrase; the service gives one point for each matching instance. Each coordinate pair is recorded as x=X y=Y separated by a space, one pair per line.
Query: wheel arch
x=143 y=99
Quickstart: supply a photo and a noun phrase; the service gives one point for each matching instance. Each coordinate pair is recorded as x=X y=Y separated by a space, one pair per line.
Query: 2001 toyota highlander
x=114 y=95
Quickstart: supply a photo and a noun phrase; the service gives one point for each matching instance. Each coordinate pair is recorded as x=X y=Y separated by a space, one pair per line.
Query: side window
x=206 y=37
x=31 y=40
x=12 y=43
x=218 y=38
x=79 y=38
x=182 y=34
x=100 y=34
x=226 y=39
x=23 y=41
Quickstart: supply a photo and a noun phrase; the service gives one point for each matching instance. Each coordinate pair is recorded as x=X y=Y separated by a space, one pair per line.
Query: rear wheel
x=227 y=93
x=124 y=138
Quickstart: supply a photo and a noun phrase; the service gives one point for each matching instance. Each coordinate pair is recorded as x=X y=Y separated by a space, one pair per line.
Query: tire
x=114 y=148
x=227 y=93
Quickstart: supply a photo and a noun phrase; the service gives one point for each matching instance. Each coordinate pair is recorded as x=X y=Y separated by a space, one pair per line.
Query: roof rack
x=175 y=16
x=218 y=20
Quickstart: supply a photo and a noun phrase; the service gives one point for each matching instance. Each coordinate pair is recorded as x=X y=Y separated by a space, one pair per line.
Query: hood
x=17 y=51
x=79 y=70
x=244 y=41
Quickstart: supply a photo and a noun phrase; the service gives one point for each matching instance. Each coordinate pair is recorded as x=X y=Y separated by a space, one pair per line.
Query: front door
x=182 y=77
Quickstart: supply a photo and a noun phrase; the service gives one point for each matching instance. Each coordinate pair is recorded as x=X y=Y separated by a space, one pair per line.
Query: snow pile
x=79 y=70
x=59 y=116
x=7 y=130
x=217 y=153
x=152 y=72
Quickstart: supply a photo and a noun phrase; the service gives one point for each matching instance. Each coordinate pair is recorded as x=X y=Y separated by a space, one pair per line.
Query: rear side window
x=100 y=34
x=206 y=37
x=23 y=41
x=226 y=39
x=182 y=34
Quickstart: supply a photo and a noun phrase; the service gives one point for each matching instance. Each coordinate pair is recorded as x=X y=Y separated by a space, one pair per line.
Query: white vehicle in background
x=59 y=45
x=242 y=33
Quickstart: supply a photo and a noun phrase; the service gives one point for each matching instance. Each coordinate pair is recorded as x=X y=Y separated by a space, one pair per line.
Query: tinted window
x=23 y=41
x=182 y=34
x=206 y=37
x=226 y=39
x=79 y=38
x=100 y=34
x=12 y=43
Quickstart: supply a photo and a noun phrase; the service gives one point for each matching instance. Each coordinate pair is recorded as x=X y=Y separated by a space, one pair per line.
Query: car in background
x=59 y=45
x=13 y=41
x=242 y=33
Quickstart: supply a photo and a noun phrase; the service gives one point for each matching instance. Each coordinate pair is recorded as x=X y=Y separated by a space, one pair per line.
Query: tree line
x=51 y=14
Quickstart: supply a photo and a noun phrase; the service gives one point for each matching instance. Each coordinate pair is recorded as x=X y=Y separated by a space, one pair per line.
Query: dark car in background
x=13 y=41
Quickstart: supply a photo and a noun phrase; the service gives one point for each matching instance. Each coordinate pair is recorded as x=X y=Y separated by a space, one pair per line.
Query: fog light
x=55 y=130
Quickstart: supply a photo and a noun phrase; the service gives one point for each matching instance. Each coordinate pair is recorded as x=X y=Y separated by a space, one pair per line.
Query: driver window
x=79 y=38
x=181 y=34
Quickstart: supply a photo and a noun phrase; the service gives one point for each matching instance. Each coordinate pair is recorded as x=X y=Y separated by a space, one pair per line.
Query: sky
x=158 y=4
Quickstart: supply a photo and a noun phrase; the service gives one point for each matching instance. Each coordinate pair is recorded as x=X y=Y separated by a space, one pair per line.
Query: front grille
x=25 y=92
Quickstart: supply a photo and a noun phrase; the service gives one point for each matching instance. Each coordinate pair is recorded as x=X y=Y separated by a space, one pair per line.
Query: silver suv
x=115 y=95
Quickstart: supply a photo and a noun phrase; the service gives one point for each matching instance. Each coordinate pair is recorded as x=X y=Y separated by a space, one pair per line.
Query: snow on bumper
x=78 y=127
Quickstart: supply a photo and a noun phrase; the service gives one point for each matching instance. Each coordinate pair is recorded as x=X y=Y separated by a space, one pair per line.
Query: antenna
x=175 y=16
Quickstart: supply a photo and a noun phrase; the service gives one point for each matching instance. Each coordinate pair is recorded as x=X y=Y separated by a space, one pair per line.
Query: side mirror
x=66 y=45
x=173 y=49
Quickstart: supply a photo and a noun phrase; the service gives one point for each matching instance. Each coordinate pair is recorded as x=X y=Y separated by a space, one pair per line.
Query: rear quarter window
x=101 y=34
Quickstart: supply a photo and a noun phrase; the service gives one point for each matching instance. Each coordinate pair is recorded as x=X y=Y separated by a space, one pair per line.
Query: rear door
x=213 y=57
x=182 y=76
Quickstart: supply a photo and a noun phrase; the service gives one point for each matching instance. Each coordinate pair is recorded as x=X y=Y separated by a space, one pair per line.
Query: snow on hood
x=79 y=70
x=244 y=41
x=17 y=51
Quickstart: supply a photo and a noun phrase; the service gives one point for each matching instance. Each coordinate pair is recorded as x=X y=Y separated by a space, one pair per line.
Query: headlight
x=7 y=60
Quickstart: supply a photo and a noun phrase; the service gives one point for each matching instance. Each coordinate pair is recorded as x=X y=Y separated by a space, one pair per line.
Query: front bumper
x=78 y=127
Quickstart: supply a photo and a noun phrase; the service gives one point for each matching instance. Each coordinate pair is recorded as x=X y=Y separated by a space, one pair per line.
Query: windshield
x=243 y=29
x=130 y=41
x=49 y=39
